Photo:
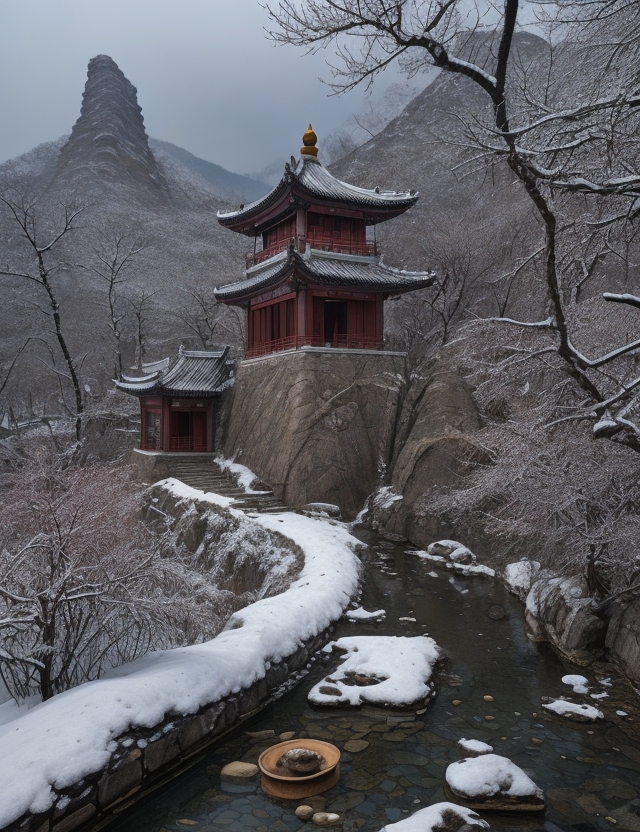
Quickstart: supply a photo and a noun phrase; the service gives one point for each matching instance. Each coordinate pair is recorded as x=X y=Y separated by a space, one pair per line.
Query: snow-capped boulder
x=493 y=782
x=474 y=748
x=573 y=711
x=452 y=550
x=441 y=817
x=520 y=575
x=391 y=671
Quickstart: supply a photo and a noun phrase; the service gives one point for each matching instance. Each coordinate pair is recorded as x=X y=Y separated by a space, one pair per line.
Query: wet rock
x=261 y=735
x=623 y=636
x=356 y=745
x=238 y=770
x=286 y=735
x=305 y=812
x=326 y=818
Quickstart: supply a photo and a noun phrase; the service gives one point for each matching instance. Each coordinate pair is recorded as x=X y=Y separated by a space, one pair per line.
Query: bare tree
x=140 y=304
x=115 y=258
x=551 y=148
x=211 y=322
x=83 y=586
x=25 y=215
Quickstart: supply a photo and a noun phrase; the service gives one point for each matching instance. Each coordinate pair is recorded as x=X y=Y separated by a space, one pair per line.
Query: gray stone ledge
x=168 y=748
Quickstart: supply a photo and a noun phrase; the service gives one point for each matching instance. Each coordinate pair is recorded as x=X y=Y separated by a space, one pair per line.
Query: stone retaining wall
x=141 y=759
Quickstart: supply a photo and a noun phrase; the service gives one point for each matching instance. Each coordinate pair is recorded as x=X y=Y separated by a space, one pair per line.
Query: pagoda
x=315 y=278
x=179 y=400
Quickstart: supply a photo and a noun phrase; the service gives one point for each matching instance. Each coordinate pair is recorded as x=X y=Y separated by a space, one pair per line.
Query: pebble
x=305 y=812
x=325 y=818
x=488 y=698
x=489 y=717
x=287 y=735
x=456 y=701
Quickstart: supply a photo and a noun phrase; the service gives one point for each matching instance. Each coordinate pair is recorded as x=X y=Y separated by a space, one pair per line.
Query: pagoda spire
x=309 y=141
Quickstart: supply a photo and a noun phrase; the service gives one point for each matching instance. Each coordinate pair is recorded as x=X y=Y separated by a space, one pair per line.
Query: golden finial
x=309 y=141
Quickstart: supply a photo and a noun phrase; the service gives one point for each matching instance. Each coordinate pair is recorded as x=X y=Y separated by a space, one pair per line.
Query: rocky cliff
x=108 y=142
x=315 y=424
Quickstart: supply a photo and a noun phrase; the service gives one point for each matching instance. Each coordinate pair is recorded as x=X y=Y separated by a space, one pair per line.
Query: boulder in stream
x=493 y=783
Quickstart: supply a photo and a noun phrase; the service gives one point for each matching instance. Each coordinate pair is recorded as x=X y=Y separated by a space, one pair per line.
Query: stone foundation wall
x=316 y=424
x=141 y=759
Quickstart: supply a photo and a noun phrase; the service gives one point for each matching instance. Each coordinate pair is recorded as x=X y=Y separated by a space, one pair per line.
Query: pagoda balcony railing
x=295 y=342
x=367 y=249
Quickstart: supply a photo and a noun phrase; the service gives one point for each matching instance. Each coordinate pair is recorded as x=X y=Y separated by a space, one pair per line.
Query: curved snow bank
x=62 y=741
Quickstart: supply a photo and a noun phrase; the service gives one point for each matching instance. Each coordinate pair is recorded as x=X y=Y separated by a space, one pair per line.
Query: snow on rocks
x=579 y=684
x=520 y=575
x=58 y=742
x=360 y=614
x=391 y=671
x=455 y=556
x=474 y=748
x=244 y=476
x=440 y=816
x=493 y=782
x=570 y=710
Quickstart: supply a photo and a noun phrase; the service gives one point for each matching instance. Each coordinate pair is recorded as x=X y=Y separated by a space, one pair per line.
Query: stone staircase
x=200 y=471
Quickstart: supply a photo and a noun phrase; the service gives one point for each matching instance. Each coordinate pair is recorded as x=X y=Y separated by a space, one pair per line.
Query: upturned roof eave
x=290 y=193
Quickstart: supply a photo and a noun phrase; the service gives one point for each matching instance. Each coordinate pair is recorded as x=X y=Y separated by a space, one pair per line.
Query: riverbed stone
x=355 y=745
x=326 y=818
x=238 y=771
x=304 y=812
x=117 y=784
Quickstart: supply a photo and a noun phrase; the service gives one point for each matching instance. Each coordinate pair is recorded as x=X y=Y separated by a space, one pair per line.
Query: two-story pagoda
x=315 y=277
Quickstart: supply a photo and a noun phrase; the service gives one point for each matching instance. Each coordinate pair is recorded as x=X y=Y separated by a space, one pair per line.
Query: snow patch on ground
x=579 y=684
x=60 y=741
x=398 y=669
x=435 y=818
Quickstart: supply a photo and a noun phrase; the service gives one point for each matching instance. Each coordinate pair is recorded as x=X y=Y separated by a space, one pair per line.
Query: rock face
x=559 y=610
x=109 y=141
x=623 y=636
x=315 y=424
x=439 y=440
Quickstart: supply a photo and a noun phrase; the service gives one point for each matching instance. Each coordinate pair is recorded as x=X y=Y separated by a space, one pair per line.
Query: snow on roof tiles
x=196 y=372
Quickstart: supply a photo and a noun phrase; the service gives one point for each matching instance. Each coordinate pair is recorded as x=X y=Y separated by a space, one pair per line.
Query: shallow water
x=590 y=772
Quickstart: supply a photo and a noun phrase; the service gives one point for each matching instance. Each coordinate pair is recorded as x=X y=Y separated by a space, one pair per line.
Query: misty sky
x=207 y=78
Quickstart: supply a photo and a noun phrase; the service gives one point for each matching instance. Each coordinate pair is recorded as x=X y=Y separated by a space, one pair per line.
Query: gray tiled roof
x=318 y=267
x=311 y=178
x=195 y=373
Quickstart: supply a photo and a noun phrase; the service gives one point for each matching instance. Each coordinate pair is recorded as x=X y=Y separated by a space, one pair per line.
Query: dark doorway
x=335 y=320
x=188 y=431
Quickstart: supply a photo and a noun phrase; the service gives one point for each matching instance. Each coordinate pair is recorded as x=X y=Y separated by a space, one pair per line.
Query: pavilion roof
x=325 y=268
x=194 y=373
x=307 y=180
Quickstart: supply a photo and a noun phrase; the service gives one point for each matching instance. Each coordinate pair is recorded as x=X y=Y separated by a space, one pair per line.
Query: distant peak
x=109 y=139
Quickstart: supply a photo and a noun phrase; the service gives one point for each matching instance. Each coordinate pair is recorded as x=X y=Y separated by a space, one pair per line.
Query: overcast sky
x=207 y=78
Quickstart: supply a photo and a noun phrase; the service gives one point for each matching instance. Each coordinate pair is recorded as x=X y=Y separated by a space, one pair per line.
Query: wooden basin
x=292 y=787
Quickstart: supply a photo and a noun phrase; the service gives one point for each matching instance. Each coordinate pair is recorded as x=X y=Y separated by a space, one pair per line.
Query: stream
x=590 y=773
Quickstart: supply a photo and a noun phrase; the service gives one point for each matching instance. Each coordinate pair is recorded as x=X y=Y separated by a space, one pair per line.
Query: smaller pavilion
x=179 y=400
x=316 y=278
